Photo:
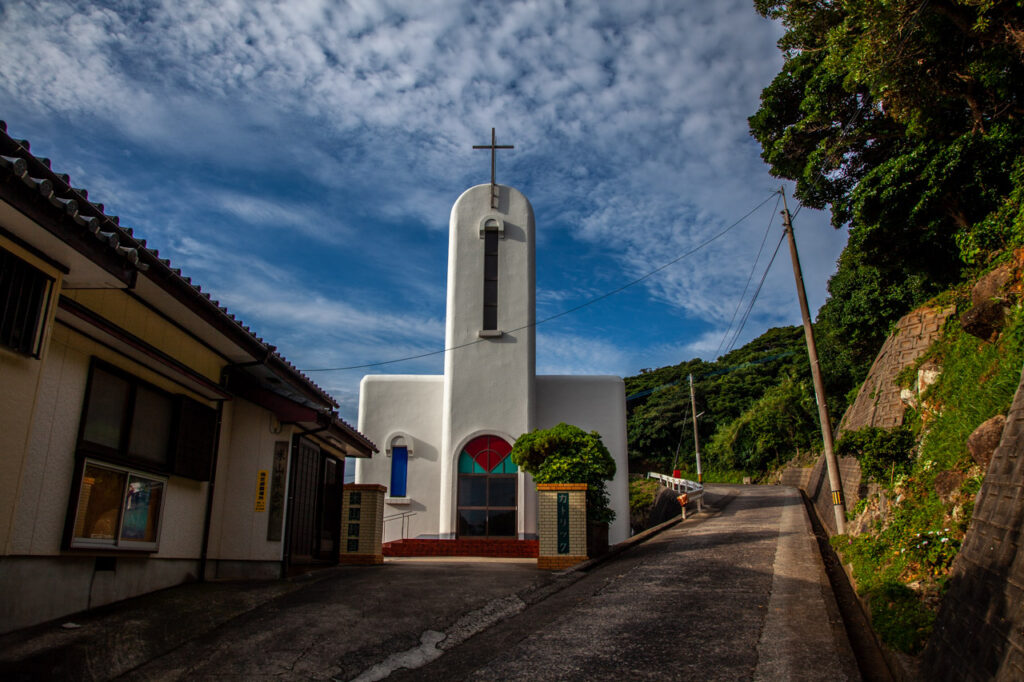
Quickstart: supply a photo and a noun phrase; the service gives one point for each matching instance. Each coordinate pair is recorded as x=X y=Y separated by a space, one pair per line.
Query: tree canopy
x=904 y=118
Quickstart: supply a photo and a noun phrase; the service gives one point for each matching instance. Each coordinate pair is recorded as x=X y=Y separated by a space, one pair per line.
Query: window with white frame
x=118 y=508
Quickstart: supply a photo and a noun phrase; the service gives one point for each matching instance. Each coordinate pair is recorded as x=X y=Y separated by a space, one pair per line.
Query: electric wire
x=563 y=313
x=757 y=292
x=750 y=277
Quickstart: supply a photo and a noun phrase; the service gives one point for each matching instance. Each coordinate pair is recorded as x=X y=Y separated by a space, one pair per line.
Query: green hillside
x=755 y=405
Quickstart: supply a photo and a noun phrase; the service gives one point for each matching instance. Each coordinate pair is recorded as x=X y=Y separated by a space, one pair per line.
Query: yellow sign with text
x=261 y=490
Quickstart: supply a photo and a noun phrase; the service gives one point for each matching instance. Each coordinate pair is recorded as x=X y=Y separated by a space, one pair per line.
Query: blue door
x=399 y=469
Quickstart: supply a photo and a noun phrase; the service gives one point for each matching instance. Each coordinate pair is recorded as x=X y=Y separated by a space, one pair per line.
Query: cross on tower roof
x=493 y=146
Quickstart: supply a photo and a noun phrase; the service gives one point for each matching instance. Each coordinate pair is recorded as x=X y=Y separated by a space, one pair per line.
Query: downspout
x=208 y=520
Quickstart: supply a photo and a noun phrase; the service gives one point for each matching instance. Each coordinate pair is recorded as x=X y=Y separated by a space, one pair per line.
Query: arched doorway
x=488 y=489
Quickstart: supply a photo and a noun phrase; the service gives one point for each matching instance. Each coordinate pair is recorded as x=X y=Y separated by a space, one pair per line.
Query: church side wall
x=408 y=406
x=593 y=403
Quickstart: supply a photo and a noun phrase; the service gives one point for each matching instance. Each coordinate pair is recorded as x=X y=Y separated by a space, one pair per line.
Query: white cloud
x=628 y=120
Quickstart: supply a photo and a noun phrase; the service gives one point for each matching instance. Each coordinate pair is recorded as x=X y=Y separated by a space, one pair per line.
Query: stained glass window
x=488 y=488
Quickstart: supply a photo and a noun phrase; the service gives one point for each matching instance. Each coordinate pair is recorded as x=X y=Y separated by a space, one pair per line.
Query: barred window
x=25 y=294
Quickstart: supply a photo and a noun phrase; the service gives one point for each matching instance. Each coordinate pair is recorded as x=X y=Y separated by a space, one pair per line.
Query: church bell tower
x=489 y=377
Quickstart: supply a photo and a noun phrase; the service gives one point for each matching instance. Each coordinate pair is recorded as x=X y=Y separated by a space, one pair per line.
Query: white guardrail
x=694 y=490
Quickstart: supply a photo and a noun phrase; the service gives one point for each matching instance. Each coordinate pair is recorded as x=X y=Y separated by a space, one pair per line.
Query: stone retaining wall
x=979 y=633
x=879 y=402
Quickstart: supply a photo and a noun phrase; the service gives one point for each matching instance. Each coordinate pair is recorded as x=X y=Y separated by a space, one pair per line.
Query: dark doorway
x=314 y=505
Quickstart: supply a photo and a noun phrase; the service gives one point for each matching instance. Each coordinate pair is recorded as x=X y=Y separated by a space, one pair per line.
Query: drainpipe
x=208 y=520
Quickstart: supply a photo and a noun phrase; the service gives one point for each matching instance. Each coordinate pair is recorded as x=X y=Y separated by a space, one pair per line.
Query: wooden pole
x=835 y=483
x=696 y=437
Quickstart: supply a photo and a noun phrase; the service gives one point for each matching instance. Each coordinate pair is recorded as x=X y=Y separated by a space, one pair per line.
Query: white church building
x=447 y=439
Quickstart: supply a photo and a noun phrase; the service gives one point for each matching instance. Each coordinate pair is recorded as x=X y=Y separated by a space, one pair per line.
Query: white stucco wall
x=238 y=532
x=408 y=406
x=593 y=403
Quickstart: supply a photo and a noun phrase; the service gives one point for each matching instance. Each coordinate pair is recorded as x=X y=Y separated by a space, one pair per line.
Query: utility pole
x=838 y=505
x=696 y=438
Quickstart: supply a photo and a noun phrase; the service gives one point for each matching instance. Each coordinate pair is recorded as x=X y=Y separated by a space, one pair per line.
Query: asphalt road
x=736 y=594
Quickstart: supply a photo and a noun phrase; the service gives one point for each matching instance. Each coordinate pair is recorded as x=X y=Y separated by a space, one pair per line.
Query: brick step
x=483 y=547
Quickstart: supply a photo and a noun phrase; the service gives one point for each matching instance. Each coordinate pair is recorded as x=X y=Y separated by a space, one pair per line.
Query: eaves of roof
x=49 y=199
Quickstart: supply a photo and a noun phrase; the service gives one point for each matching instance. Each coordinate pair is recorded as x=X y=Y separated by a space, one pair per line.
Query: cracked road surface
x=738 y=594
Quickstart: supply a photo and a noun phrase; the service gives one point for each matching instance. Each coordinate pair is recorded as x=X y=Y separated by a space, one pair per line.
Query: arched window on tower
x=399 y=450
x=491 y=229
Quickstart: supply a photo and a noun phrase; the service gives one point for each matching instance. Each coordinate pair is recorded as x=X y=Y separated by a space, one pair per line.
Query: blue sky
x=300 y=159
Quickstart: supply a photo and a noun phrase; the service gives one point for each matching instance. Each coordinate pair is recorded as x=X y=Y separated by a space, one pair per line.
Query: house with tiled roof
x=147 y=437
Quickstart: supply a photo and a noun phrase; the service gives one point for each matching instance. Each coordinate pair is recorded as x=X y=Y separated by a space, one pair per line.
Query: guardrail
x=681 y=485
x=404 y=516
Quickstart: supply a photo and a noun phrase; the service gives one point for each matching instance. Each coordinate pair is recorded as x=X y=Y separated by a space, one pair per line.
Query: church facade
x=447 y=439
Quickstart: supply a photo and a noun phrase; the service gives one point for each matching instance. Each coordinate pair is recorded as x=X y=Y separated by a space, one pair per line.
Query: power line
x=757 y=292
x=589 y=302
x=753 y=268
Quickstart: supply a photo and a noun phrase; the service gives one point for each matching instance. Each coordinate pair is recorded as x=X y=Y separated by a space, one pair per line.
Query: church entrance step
x=482 y=547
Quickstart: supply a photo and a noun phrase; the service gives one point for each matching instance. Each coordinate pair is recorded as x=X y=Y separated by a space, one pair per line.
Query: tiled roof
x=72 y=204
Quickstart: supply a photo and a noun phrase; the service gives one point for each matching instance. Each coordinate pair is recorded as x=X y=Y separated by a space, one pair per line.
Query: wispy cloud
x=339 y=134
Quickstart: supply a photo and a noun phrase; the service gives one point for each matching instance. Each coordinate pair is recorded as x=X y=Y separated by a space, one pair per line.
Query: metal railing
x=681 y=485
x=404 y=517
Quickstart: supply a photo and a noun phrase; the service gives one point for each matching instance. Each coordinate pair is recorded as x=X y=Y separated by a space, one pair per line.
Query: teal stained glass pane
x=467 y=465
x=507 y=466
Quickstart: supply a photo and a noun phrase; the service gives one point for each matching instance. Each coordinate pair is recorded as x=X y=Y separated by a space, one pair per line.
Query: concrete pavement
x=737 y=592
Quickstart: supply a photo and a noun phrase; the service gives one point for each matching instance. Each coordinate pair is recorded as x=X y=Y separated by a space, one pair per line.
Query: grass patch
x=641 y=494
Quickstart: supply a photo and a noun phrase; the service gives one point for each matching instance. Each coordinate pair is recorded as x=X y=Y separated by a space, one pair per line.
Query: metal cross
x=493 y=146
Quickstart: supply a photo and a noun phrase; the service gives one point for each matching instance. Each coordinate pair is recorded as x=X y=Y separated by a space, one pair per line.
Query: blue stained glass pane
x=399 y=470
x=465 y=463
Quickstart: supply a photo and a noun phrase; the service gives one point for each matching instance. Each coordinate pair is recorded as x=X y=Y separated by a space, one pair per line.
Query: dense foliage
x=757 y=404
x=778 y=425
x=905 y=119
x=568 y=454
x=883 y=453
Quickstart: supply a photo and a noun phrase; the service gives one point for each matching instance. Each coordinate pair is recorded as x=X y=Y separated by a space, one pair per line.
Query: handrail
x=404 y=516
x=681 y=485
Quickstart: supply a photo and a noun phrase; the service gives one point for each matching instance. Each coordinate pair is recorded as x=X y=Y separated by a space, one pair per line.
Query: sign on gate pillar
x=562 y=520
x=362 y=523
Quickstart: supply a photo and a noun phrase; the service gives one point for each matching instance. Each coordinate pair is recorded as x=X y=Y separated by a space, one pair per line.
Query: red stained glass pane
x=488 y=451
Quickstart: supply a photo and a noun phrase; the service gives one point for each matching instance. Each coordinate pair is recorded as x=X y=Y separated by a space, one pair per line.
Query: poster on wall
x=141 y=509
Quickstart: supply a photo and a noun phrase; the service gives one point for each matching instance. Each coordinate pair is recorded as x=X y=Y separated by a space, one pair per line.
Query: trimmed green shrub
x=568 y=454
